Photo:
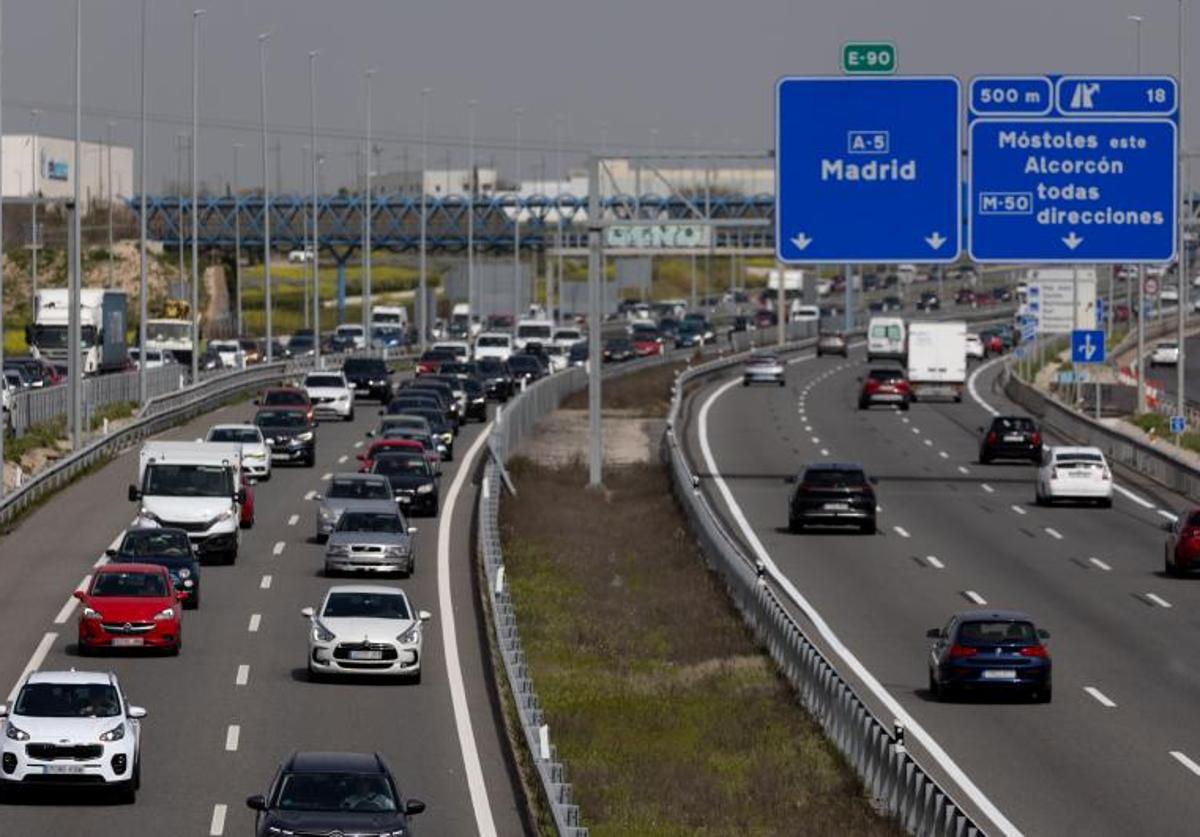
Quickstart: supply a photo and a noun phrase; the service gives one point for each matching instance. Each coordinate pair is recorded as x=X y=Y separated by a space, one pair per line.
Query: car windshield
x=834 y=478
x=359 y=489
x=490 y=366
x=284 y=396
x=995 y=631
x=155 y=542
x=164 y=480
x=886 y=374
x=890 y=332
x=401 y=463
x=365 y=367
x=763 y=360
x=484 y=340
x=366 y=606
x=281 y=418
x=334 y=381
x=68 y=700
x=1007 y=424
x=535 y=332
x=355 y=521
x=241 y=435
x=300 y=341
x=522 y=362
x=369 y=792
x=129 y=584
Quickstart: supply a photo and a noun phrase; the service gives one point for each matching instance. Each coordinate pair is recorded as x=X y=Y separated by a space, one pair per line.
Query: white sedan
x=330 y=394
x=368 y=629
x=72 y=727
x=975 y=347
x=1165 y=354
x=256 y=456
x=1074 y=473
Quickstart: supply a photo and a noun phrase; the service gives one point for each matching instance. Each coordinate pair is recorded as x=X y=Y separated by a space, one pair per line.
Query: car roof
x=315 y=761
x=1068 y=450
x=282 y=408
x=71 y=676
x=156 y=530
x=376 y=589
x=129 y=567
x=834 y=466
x=995 y=613
x=233 y=426
x=356 y=476
x=270 y=390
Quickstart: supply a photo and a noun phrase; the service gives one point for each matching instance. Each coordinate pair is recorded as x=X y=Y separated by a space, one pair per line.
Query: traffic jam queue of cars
x=192 y=500
x=907 y=362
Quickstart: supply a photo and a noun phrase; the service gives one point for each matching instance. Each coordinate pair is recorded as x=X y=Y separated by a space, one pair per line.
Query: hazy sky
x=699 y=72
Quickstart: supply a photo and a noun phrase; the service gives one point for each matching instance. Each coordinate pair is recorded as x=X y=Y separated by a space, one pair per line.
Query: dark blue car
x=989 y=650
x=166 y=547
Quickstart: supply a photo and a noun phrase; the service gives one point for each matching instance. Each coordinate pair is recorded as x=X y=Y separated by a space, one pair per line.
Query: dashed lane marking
x=1100 y=697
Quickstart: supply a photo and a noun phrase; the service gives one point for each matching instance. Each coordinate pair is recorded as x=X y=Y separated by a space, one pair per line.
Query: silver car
x=360 y=491
x=372 y=542
x=763 y=367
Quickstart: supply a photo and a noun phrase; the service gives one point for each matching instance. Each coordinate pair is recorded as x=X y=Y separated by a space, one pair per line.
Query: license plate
x=1014 y=437
x=837 y=507
x=1000 y=674
x=73 y=769
x=404 y=499
x=1079 y=474
x=366 y=655
x=127 y=641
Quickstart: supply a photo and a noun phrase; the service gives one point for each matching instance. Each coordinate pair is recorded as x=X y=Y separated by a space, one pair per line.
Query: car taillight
x=958 y=651
x=1038 y=651
x=1189 y=532
x=1105 y=475
x=1035 y=438
x=1054 y=473
x=991 y=437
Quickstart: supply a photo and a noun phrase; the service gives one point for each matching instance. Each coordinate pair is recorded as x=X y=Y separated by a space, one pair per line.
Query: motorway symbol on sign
x=1072 y=190
x=1178 y=424
x=1100 y=312
x=1116 y=95
x=868 y=58
x=867 y=170
x=1087 y=346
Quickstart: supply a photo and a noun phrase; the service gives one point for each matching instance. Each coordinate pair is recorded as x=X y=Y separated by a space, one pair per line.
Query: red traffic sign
x=1150 y=286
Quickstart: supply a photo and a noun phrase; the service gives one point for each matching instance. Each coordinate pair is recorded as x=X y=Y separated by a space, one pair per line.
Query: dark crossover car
x=1010 y=437
x=1182 y=549
x=832 y=494
x=333 y=793
x=989 y=650
x=164 y=547
x=290 y=433
x=496 y=377
x=884 y=386
x=369 y=378
x=526 y=367
x=618 y=349
x=413 y=482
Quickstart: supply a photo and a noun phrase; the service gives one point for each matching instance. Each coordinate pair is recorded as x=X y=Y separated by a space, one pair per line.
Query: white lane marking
x=836 y=646
x=901 y=531
x=72 y=603
x=929 y=443
x=987 y=488
x=342 y=459
x=1018 y=509
x=255 y=621
x=1158 y=600
x=1186 y=762
x=310 y=495
x=326 y=477
x=231 y=738
x=1054 y=533
x=962 y=469
x=1100 y=697
x=484 y=823
x=1168 y=515
x=35 y=662
x=975 y=393
x=824 y=452
x=293 y=520
x=243 y=675
x=1141 y=501
x=904 y=419
x=974 y=597
x=916 y=431
x=265 y=584
x=1097 y=562
x=943 y=454
x=278 y=548
x=934 y=562
x=808 y=428
x=358 y=444
x=217 y=827
x=816 y=440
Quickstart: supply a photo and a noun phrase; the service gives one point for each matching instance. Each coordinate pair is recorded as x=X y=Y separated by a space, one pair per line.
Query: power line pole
x=74 y=367
x=237 y=243
x=143 y=303
x=37 y=173
x=472 y=301
x=108 y=147
x=516 y=295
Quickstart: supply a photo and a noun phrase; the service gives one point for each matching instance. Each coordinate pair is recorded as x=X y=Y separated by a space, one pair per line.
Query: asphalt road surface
x=1118 y=750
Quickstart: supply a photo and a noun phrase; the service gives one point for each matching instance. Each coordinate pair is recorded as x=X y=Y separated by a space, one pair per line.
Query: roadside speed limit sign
x=1150 y=286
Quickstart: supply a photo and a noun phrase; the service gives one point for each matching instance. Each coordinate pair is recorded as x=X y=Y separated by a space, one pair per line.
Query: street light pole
x=266 y=191
x=312 y=159
x=37 y=173
x=472 y=301
x=237 y=243
x=517 y=224
x=74 y=367
x=143 y=303
x=1181 y=305
x=422 y=311
x=196 y=15
x=559 y=127
x=1141 y=273
x=108 y=145
x=366 y=277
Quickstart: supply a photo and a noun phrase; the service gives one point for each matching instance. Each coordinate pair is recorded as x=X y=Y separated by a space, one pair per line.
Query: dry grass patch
x=646 y=394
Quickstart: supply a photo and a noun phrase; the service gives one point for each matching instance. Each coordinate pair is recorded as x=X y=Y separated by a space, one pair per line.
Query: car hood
x=326 y=392
x=346 y=822
x=66 y=730
x=280 y=432
x=128 y=608
x=408 y=481
x=185 y=509
x=254 y=449
x=340 y=504
x=360 y=376
x=351 y=629
x=372 y=538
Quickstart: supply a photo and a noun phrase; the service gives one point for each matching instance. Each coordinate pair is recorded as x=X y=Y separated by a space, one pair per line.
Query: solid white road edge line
x=35 y=662
x=454 y=677
x=217 y=827
x=1186 y=762
x=1100 y=697
x=890 y=704
x=72 y=603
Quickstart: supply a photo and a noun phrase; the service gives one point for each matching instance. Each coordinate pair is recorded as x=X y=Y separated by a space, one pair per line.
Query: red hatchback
x=1182 y=549
x=130 y=606
x=368 y=459
x=884 y=386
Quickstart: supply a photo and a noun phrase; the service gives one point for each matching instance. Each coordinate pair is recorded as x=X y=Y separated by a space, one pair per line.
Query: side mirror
x=134 y=494
x=3 y=710
x=979 y=430
x=424 y=615
x=362 y=457
x=256 y=802
x=179 y=595
x=318 y=497
x=199 y=440
x=240 y=497
x=1043 y=633
x=790 y=480
x=934 y=633
x=414 y=807
x=370 y=434
x=873 y=480
x=308 y=612
x=412 y=530
x=79 y=594
x=110 y=552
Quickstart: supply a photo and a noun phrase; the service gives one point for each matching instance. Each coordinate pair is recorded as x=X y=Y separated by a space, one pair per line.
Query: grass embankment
x=47 y=434
x=670 y=717
x=1160 y=426
x=644 y=394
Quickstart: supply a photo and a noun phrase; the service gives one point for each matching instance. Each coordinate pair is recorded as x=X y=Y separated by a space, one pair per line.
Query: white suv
x=71 y=726
x=330 y=394
x=493 y=344
x=256 y=456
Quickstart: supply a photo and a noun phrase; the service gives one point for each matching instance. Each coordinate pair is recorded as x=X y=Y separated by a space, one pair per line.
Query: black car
x=668 y=326
x=333 y=793
x=619 y=349
x=301 y=344
x=1010 y=437
x=440 y=389
x=165 y=547
x=577 y=355
x=413 y=482
x=526 y=367
x=289 y=434
x=929 y=302
x=496 y=376
x=989 y=650
x=369 y=378
x=832 y=494
x=442 y=429
x=476 y=400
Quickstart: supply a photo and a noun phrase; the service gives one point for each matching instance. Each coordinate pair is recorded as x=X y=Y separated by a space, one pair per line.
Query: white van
x=493 y=344
x=533 y=331
x=800 y=313
x=354 y=333
x=886 y=338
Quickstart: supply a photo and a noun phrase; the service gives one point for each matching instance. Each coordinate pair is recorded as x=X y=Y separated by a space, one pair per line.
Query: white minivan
x=886 y=338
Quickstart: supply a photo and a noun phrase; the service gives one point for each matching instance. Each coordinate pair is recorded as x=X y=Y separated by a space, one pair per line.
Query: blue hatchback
x=989 y=650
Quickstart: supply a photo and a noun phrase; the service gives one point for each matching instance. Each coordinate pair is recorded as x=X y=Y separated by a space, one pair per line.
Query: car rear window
x=831 y=478
x=1078 y=459
x=891 y=332
x=993 y=631
x=1013 y=425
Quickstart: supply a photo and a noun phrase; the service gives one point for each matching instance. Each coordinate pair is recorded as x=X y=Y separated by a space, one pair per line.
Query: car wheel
x=935 y=691
x=745 y=383
x=83 y=650
x=315 y=676
x=231 y=557
x=1038 y=499
x=266 y=477
x=311 y=461
x=783 y=383
x=1106 y=503
x=862 y=404
x=904 y=406
x=413 y=679
x=174 y=650
x=1168 y=568
x=126 y=793
x=1044 y=695
x=795 y=527
x=137 y=774
x=349 y=416
x=246 y=524
x=192 y=602
x=984 y=459
x=868 y=528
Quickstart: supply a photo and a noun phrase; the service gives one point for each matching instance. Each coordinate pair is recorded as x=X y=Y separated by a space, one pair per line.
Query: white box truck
x=101 y=326
x=937 y=360
x=194 y=486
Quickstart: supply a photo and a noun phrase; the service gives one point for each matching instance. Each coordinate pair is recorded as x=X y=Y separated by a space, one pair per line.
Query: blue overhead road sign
x=1116 y=95
x=867 y=169
x=1087 y=346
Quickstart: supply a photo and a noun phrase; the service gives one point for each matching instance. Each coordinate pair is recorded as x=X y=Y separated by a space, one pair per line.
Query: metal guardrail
x=45 y=404
x=900 y=786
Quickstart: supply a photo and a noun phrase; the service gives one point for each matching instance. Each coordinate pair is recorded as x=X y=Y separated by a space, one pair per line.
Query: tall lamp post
x=367 y=213
x=422 y=311
x=1141 y=273
x=266 y=192
x=37 y=173
x=109 y=195
x=516 y=296
x=472 y=300
x=1181 y=305
x=237 y=243
x=143 y=302
x=312 y=159
x=196 y=15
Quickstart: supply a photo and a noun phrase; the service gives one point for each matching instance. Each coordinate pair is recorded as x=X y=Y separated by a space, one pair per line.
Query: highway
x=1164 y=376
x=237 y=700
x=1117 y=752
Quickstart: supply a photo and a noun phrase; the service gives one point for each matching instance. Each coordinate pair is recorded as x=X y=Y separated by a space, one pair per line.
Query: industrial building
x=46 y=165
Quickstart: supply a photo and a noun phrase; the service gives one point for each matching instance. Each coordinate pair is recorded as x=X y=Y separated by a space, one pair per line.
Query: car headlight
x=320 y=633
x=187 y=582
x=185 y=573
x=411 y=634
x=330 y=515
x=427 y=488
x=345 y=397
x=306 y=436
x=89 y=613
x=16 y=733
x=225 y=515
x=149 y=515
x=165 y=614
x=114 y=734
x=338 y=551
x=447 y=438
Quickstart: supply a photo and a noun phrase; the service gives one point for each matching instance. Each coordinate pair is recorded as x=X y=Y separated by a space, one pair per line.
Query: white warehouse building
x=46 y=164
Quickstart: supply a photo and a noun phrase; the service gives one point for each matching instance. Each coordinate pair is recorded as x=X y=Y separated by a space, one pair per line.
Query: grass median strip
x=668 y=715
